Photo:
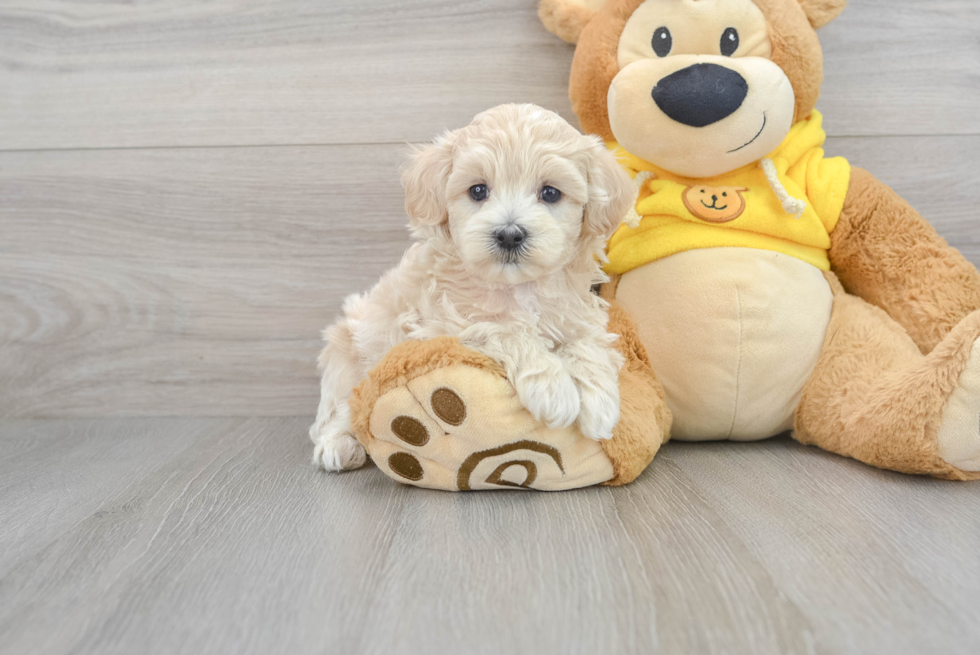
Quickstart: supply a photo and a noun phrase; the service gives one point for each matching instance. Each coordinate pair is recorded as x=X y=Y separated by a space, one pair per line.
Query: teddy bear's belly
x=733 y=335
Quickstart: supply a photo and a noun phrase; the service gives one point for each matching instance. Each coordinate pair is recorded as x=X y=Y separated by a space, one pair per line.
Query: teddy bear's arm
x=885 y=252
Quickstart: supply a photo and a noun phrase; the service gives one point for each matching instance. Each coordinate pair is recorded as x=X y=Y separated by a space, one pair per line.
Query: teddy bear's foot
x=436 y=414
x=959 y=431
x=875 y=397
x=460 y=427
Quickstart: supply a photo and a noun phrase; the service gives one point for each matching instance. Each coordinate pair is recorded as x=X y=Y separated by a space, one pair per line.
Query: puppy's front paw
x=550 y=395
x=600 y=412
x=340 y=452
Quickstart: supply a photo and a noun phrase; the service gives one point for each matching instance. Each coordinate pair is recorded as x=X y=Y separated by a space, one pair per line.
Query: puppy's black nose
x=510 y=237
x=701 y=94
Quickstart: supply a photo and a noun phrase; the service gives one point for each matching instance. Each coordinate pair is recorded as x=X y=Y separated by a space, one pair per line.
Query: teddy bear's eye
x=729 y=42
x=662 y=42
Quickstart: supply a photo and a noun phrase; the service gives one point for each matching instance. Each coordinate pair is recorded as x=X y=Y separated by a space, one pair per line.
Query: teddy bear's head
x=696 y=87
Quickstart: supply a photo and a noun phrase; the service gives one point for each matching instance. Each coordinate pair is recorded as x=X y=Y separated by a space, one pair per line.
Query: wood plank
x=898 y=67
x=877 y=562
x=106 y=74
x=196 y=281
x=56 y=474
x=235 y=544
x=187 y=281
x=297 y=71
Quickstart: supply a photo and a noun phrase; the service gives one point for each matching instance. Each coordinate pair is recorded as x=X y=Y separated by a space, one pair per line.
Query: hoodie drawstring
x=633 y=217
x=792 y=206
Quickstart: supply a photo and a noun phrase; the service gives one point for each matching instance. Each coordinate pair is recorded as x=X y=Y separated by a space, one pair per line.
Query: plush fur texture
x=822 y=12
x=567 y=19
x=875 y=397
x=644 y=423
x=883 y=251
x=595 y=65
x=529 y=308
x=796 y=49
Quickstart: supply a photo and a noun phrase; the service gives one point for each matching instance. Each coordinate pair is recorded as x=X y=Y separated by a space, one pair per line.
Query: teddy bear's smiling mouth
x=761 y=130
x=713 y=205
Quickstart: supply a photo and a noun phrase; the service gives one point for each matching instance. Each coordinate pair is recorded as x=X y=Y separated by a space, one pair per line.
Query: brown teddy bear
x=758 y=286
x=774 y=288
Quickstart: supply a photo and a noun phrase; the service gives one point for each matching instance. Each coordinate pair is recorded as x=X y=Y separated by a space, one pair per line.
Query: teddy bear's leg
x=436 y=414
x=644 y=419
x=875 y=397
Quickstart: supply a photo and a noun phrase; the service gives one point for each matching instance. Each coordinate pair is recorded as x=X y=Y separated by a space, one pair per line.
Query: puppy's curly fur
x=523 y=301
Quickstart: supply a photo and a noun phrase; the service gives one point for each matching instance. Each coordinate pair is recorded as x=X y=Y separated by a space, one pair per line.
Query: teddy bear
x=772 y=287
x=757 y=286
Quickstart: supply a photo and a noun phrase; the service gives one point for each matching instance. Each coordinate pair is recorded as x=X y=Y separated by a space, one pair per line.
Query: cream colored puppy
x=510 y=216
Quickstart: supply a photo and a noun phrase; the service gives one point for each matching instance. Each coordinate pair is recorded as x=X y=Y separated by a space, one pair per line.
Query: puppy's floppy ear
x=425 y=182
x=567 y=18
x=610 y=191
x=821 y=12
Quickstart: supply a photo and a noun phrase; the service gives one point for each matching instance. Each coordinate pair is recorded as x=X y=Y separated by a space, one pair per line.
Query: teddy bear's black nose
x=701 y=94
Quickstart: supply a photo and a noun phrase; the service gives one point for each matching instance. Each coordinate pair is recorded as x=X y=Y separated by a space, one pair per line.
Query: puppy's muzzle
x=510 y=238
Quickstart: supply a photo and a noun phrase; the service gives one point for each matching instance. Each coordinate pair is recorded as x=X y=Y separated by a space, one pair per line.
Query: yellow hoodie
x=738 y=209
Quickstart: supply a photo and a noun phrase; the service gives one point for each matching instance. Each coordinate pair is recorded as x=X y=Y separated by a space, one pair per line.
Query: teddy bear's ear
x=821 y=12
x=567 y=18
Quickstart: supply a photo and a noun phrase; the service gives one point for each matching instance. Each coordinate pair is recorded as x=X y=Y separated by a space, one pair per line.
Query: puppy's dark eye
x=550 y=195
x=729 y=42
x=662 y=42
x=479 y=192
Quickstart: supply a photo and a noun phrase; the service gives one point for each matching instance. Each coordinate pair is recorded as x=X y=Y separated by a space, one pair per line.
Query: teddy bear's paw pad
x=463 y=428
x=521 y=465
x=959 y=432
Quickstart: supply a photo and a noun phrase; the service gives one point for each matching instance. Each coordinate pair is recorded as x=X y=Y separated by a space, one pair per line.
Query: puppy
x=510 y=216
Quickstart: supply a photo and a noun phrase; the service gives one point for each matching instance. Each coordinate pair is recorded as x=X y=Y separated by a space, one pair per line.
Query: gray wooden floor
x=187 y=190
x=215 y=535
